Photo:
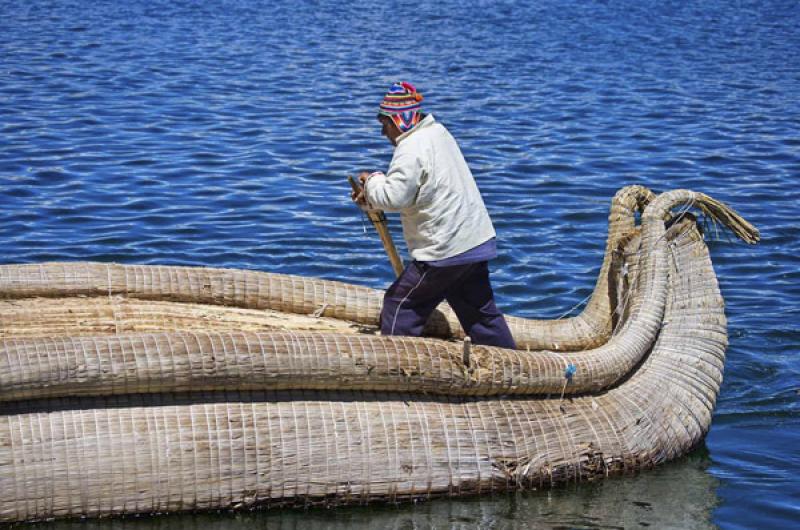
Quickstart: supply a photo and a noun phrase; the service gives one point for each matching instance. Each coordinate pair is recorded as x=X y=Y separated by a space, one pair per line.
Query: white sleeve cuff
x=366 y=182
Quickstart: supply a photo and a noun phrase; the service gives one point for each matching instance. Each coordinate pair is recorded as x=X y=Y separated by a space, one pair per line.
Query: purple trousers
x=411 y=299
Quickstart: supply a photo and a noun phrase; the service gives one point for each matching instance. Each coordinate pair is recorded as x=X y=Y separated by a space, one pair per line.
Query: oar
x=378 y=220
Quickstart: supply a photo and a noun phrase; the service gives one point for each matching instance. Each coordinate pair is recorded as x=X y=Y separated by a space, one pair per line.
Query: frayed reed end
x=727 y=216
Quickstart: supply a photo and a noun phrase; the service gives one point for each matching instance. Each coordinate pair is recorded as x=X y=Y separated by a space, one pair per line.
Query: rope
x=575 y=306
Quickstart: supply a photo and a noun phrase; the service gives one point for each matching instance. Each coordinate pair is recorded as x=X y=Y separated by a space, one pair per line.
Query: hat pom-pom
x=408 y=86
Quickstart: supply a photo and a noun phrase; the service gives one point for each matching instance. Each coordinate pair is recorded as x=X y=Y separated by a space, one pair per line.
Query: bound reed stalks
x=207 y=419
x=299 y=295
x=176 y=452
x=312 y=360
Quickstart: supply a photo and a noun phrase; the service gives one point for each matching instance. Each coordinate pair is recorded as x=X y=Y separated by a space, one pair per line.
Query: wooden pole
x=378 y=220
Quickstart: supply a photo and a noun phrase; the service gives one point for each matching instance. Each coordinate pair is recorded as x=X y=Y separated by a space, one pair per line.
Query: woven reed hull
x=223 y=447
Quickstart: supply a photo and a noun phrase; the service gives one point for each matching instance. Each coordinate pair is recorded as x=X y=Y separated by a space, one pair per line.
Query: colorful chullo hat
x=402 y=104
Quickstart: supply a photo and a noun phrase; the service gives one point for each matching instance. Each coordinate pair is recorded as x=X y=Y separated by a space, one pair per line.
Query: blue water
x=219 y=133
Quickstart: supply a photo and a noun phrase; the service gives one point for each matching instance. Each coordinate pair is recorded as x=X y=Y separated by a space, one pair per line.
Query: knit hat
x=402 y=104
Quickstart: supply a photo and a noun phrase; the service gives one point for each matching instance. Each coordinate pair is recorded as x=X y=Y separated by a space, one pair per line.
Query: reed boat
x=129 y=389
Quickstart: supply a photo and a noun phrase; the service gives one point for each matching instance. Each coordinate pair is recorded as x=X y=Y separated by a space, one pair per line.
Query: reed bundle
x=136 y=389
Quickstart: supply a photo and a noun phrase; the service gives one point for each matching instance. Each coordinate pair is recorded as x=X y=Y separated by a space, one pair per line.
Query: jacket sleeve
x=397 y=189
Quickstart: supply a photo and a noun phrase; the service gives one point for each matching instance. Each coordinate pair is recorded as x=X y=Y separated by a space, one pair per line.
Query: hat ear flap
x=398 y=121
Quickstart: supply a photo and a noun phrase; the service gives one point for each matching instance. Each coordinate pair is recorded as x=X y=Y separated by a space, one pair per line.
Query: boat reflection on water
x=681 y=494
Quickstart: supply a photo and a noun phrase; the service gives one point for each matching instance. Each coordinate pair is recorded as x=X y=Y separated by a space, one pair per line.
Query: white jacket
x=429 y=182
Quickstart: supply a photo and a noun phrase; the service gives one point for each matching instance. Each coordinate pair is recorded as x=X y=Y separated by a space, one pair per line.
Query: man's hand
x=358 y=197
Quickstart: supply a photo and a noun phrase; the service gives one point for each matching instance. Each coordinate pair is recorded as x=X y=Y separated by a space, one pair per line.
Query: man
x=445 y=224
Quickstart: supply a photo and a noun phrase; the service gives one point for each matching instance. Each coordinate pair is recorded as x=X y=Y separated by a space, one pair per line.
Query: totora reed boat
x=143 y=389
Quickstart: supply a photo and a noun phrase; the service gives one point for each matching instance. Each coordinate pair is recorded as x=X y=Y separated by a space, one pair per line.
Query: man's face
x=389 y=129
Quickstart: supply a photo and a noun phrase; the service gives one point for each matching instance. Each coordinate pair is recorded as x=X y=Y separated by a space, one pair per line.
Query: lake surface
x=219 y=133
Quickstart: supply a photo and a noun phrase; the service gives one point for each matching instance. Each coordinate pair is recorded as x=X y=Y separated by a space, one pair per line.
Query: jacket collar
x=427 y=121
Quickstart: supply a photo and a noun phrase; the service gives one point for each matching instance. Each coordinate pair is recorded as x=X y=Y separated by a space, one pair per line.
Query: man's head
x=400 y=110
